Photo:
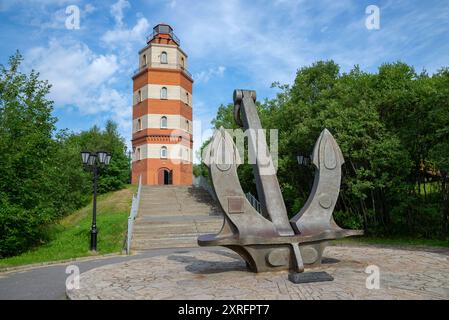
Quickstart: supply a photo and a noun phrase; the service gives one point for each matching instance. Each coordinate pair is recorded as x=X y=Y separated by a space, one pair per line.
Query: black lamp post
x=94 y=161
x=305 y=161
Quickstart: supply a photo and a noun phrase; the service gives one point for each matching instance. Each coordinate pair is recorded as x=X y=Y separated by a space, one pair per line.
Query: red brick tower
x=162 y=137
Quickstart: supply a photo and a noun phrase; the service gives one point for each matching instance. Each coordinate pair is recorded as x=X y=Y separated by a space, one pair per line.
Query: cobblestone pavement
x=221 y=274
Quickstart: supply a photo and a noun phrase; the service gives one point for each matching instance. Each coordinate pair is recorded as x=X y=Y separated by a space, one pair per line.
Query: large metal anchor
x=269 y=241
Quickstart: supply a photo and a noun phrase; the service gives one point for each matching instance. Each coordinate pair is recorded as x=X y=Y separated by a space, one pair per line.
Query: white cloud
x=172 y=3
x=81 y=78
x=205 y=75
x=89 y=8
x=44 y=15
x=121 y=36
x=253 y=42
x=117 y=11
x=123 y=41
x=72 y=69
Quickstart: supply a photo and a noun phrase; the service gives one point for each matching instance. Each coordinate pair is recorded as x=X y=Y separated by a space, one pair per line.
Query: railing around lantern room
x=168 y=31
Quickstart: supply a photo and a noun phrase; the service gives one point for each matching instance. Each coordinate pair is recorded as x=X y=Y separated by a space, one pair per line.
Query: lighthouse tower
x=162 y=137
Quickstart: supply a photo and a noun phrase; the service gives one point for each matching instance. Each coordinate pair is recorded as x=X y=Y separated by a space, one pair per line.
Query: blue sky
x=231 y=44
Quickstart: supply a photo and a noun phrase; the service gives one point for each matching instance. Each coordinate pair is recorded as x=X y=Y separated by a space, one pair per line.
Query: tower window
x=139 y=96
x=187 y=97
x=187 y=125
x=139 y=124
x=164 y=57
x=164 y=152
x=164 y=122
x=164 y=93
x=182 y=62
x=144 y=60
x=138 y=154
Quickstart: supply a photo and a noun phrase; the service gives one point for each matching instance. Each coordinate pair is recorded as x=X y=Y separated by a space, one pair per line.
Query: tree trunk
x=424 y=187
x=373 y=205
x=445 y=204
x=419 y=181
x=365 y=216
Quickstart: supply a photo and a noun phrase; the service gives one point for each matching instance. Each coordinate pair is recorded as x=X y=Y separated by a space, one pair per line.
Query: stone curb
x=411 y=247
x=27 y=267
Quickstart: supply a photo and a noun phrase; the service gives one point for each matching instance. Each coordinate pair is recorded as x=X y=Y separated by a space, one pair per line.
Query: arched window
x=164 y=152
x=144 y=60
x=187 y=125
x=138 y=154
x=164 y=122
x=164 y=93
x=182 y=62
x=164 y=57
x=139 y=96
x=187 y=97
x=139 y=124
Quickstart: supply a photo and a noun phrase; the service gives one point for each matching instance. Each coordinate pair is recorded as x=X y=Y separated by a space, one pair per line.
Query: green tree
x=26 y=151
x=114 y=176
x=42 y=178
x=392 y=129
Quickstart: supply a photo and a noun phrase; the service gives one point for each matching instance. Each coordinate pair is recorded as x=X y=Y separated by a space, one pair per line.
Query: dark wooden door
x=168 y=177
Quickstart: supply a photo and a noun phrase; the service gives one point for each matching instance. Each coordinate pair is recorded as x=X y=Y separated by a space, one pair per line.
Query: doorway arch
x=164 y=176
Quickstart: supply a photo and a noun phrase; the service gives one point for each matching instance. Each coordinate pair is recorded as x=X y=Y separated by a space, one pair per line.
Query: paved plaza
x=221 y=274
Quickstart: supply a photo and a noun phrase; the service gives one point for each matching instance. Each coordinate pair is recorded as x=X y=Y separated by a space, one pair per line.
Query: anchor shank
x=263 y=168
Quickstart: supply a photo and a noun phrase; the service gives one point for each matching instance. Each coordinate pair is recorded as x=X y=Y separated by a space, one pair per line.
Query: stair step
x=174 y=216
x=171 y=228
x=140 y=245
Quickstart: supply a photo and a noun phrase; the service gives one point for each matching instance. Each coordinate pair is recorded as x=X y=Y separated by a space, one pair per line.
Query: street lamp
x=94 y=161
x=85 y=156
x=303 y=160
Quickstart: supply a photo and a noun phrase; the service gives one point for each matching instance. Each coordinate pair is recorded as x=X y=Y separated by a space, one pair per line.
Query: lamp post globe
x=303 y=160
x=108 y=159
x=85 y=156
x=92 y=158
x=102 y=156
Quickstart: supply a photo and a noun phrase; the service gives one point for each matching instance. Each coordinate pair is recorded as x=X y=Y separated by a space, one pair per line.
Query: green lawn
x=70 y=238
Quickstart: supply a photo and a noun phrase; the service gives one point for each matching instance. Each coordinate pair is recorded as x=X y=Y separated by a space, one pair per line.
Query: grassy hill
x=70 y=238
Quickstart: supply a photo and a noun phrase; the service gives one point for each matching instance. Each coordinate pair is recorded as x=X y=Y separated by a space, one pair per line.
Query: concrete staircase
x=174 y=216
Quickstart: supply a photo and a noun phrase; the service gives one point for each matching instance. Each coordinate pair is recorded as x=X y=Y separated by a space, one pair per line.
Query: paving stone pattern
x=221 y=274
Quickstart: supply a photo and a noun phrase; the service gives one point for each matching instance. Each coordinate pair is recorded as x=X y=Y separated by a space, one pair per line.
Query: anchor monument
x=269 y=241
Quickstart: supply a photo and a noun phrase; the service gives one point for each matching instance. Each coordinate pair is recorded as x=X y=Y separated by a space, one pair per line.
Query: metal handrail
x=202 y=182
x=132 y=215
x=163 y=65
x=254 y=202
